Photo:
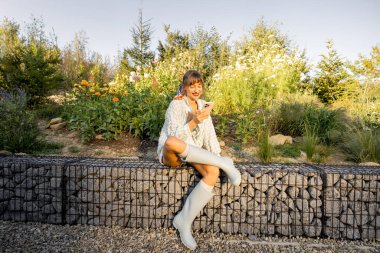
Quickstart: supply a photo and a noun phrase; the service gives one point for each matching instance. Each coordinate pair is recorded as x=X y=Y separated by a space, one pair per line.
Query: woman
x=188 y=135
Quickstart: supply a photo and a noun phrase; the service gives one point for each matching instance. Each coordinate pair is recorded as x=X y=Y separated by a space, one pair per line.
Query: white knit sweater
x=203 y=135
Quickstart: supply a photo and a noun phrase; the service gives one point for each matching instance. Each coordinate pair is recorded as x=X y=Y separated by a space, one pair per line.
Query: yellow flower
x=97 y=93
x=103 y=95
x=90 y=84
x=87 y=95
x=84 y=83
x=125 y=93
x=115 y=99
x=105 y=85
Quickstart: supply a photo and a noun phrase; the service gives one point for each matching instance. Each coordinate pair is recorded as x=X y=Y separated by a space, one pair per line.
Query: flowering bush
x=262 y=70
x=110 y=109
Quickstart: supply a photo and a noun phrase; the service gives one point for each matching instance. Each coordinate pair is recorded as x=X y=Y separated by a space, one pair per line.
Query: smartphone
x=209 y=104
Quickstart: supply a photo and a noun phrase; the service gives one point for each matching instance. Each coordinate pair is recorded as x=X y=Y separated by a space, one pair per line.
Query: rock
x=72 y=135
x=6 y=194
x=314 y=229
x=332 y=179
x=293 y=192
x=369 y=164
x=348 y=217
x=72 y=216
x=351 y=233
x=54 y=122
x=99 y=137
x=222 y=143
x=280 y=139
x=332 y=208
x=263 y=183
x=368 y=232
x=294 y=179
x=331 y=193
x=5 y=153
x=54 y=219
x=15 y=204
x=283 y=219
x=58 y=126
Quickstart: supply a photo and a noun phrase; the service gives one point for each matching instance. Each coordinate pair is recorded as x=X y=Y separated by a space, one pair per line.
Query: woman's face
x=194 y=91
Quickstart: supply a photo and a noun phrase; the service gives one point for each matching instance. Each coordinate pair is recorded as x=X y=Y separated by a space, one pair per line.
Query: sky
x=353 y=25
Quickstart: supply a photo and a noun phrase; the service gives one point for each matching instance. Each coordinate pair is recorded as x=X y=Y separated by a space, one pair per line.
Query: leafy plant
x=288 y=150
x=328 y=125
x=244 y=128
x=265 y=151
x=73 y=149
x=362 y=145
x=110 y=109
x=18 y=129
x=221 y=125
x=310 y=140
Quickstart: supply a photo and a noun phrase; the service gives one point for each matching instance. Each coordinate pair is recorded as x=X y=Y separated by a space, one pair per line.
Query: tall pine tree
x=140 y=53
x=333 y=79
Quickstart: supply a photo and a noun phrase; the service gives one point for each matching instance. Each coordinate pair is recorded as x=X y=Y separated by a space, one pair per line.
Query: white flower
x=273 y=85
x=302 y=77
x=146 y=75
x=173 y=59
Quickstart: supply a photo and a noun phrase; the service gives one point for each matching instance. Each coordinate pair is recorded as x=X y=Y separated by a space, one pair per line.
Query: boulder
x=280 y=139
x=54 y=122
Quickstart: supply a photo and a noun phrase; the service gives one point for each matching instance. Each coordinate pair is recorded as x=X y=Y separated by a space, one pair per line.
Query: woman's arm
x=211 y=142
x=176 y=118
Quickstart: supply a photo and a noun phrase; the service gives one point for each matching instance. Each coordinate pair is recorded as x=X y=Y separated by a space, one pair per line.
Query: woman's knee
x=171 y=143
x=212 y=171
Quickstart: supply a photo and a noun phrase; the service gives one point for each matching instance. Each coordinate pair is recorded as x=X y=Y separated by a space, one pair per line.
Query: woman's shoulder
x=177 y=103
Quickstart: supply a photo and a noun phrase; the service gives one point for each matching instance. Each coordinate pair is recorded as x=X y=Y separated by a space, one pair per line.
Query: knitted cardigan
x=176 y=117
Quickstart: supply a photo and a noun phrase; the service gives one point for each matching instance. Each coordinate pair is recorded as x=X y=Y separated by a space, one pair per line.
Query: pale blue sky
x=354 y=26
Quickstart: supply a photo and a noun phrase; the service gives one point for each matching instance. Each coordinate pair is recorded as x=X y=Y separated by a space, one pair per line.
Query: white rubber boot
x=195 y=202
x=203 y=156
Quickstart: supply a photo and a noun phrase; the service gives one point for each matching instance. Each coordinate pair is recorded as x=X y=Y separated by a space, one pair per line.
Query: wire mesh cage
x=272 y=199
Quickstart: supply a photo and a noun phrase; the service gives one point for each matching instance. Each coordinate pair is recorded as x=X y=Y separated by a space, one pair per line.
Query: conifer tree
x=333 y=79
x=139 y=53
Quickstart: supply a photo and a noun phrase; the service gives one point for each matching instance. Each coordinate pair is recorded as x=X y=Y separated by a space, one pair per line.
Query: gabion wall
x=289 y=200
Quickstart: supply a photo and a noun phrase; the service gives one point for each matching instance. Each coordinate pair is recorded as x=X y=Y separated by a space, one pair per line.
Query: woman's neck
x=192 y=103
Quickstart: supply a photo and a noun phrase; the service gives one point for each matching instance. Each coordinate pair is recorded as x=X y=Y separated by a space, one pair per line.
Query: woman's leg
x=172 y=148
x=210 y=173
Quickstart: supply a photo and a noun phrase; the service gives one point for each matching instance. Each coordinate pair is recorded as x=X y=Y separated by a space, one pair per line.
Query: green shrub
x=49 y=110
x=221 y=125
x=362 y=145
x=310 y=141
x=265 y=151
x=124 y=109
x=288 y=150
x=18 y=128
x=328 y=125
x=245 y=126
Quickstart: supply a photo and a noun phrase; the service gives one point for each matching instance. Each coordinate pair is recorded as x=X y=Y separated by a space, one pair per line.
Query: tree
x=75 y=66
x=174 y=43
x=211 y=49
x=11 y=46
x=32 y=63
x=368 y=71
x=140 y=53
x=332 y=80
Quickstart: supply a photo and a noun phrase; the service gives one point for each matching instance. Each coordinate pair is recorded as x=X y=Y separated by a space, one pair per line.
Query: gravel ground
x=36 y=237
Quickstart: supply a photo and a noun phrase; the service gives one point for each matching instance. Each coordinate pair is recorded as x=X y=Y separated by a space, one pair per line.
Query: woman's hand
x=199 y=116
